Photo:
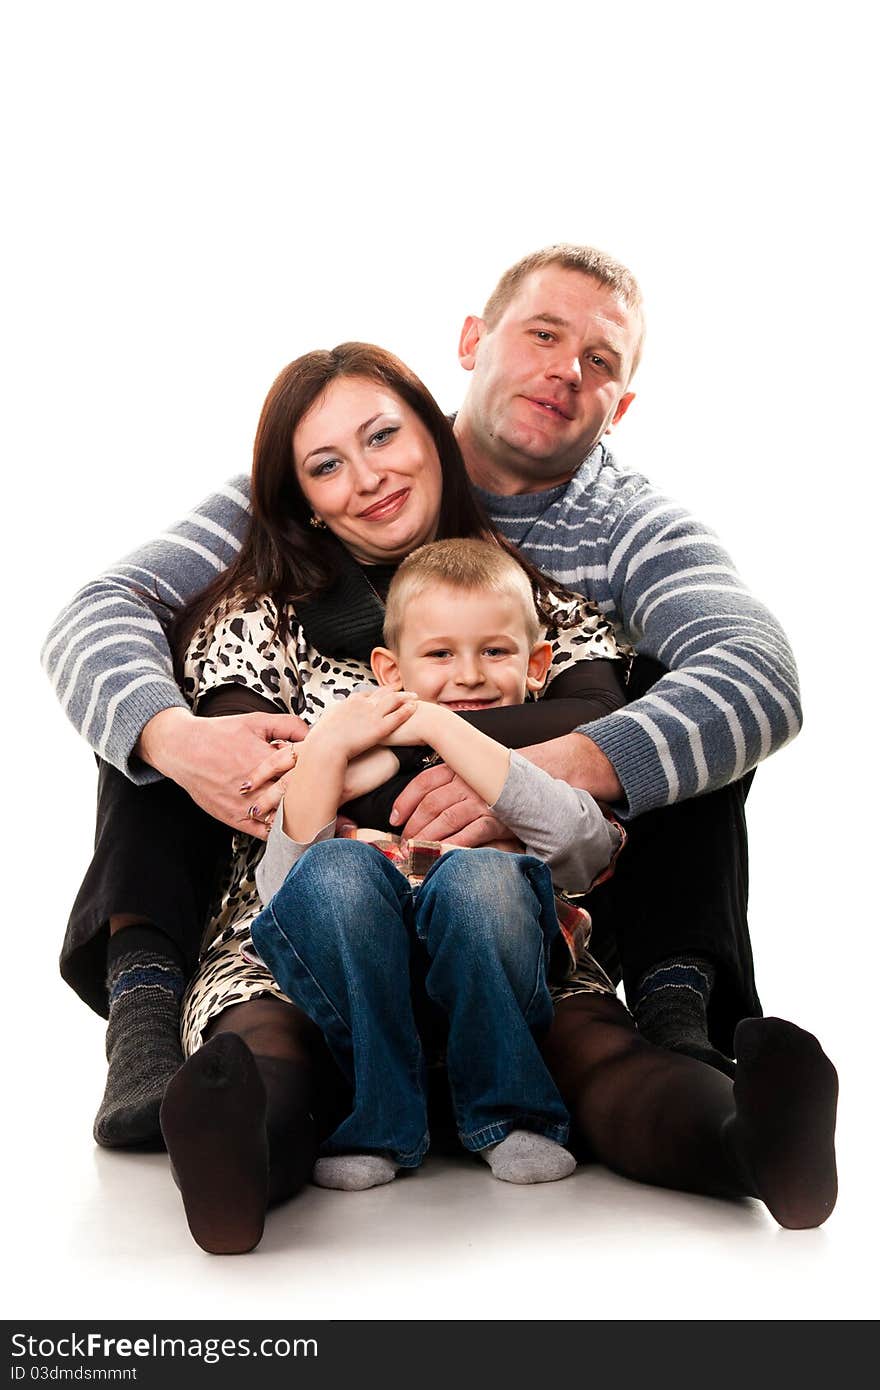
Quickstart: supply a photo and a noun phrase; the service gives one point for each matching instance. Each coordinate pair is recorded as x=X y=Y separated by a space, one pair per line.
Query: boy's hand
x=420 y=727
x=366 y=718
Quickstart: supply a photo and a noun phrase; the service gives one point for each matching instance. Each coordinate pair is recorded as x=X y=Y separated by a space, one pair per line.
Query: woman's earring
x=316 y=521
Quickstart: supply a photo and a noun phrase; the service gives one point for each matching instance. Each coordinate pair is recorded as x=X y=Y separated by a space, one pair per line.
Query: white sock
x=353 y=1172
x=525 y=1157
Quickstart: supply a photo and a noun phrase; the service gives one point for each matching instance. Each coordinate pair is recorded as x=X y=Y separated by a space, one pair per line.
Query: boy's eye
x=439 y=652
x=496 y=651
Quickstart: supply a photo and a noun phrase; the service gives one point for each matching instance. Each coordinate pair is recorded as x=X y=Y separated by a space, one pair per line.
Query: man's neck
x=504 y=476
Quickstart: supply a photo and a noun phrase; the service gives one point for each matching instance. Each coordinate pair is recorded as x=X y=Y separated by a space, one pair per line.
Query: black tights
x=241 y=1119
x=661 y=1117
x=241 y=1123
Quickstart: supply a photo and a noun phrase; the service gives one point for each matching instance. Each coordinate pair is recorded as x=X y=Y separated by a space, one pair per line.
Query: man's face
x=551 y=377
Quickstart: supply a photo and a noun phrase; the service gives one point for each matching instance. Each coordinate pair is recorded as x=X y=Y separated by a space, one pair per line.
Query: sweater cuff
x=129 y=721
x=634 y=757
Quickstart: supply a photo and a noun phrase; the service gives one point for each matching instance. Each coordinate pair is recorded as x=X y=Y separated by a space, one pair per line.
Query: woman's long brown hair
x=282 y=555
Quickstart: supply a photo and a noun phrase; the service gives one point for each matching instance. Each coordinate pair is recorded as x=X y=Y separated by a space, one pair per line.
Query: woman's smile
x=387 y=506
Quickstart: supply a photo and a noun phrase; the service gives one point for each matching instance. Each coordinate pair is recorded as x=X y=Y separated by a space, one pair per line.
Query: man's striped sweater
x=730 y=696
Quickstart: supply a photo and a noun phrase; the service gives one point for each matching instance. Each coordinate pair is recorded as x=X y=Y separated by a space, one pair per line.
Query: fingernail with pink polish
x=245 y=787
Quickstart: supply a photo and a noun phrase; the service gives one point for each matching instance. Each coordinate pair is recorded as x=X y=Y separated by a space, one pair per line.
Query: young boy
x=347 y=934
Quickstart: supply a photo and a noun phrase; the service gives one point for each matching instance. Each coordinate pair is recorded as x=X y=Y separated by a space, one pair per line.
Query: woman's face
x=369 y=469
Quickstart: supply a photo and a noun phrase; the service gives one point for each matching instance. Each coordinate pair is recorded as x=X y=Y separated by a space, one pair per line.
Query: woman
x=330 y=524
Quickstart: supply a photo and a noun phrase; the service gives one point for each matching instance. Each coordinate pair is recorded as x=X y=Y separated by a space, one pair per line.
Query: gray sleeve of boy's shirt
x=282 y=853
x=557 y=823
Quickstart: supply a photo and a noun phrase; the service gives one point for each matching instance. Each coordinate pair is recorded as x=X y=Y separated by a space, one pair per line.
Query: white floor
x=100 y=1234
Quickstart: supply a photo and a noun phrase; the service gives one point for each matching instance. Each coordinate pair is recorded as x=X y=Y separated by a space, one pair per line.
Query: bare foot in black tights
x=213 y=1119
x=783 y=1130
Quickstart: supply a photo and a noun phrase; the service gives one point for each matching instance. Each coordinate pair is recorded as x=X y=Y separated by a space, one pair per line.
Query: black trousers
x=157 y=855
x=681 y=886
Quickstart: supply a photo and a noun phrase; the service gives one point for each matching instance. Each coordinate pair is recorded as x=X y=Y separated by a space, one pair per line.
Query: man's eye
x=598 y=361
x=544 y=335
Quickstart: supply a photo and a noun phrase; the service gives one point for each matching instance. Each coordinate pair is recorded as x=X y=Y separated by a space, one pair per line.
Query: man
x=550 y=361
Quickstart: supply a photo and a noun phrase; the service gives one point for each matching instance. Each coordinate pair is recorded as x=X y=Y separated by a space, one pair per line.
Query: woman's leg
x=487 y=919
x=238 y=1120
x=337 y=938
x=662 y=1117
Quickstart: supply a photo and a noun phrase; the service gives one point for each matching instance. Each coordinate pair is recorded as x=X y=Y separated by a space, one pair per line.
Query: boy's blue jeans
x=341 y=937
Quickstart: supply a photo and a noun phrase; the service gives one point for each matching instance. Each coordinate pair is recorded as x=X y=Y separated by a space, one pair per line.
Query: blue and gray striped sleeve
x=731 y=694
x=107 y=653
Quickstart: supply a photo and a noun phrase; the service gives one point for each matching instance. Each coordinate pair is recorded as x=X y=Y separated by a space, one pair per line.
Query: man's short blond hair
x=468 y=565
x=595 y=264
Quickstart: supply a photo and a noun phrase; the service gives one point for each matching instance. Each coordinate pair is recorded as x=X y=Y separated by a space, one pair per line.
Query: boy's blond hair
x=468 y=565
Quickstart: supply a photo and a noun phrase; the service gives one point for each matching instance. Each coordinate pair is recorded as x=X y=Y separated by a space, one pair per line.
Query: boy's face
x=465 y=649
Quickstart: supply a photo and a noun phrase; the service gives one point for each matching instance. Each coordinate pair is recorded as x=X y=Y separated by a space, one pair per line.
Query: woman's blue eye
x=381 y=436
x=328 y=466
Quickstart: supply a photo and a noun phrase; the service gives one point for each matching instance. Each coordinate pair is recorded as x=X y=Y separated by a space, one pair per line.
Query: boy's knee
x=334 y=869
x=482 y=899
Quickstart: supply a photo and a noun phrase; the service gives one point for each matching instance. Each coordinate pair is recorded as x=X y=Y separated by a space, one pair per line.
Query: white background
x=197 y=193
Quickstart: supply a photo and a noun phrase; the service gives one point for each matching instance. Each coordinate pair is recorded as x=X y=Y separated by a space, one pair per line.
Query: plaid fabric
x=414 y=858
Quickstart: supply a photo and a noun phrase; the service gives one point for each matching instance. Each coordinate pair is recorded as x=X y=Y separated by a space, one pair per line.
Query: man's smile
x=548 y=405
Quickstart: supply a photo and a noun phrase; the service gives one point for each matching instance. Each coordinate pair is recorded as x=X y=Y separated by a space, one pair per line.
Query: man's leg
x=676 y=912
x=133 y=938
x=673 y=919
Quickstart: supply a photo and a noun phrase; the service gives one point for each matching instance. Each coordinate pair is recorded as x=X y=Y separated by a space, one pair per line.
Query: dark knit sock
x=782 y=1134
x=214 y=1123
x=145 y=984
x=670 y=1009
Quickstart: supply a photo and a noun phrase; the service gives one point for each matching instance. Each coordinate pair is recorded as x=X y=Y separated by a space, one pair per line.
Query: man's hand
x=439 y=805
x=577 y=760
x=212 y=758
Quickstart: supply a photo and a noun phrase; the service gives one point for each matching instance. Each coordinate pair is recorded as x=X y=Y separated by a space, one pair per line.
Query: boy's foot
x=526 y=1158
x=143 y=1048
x=214 y=1122
x=783 y=1130
x=354 y=1172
